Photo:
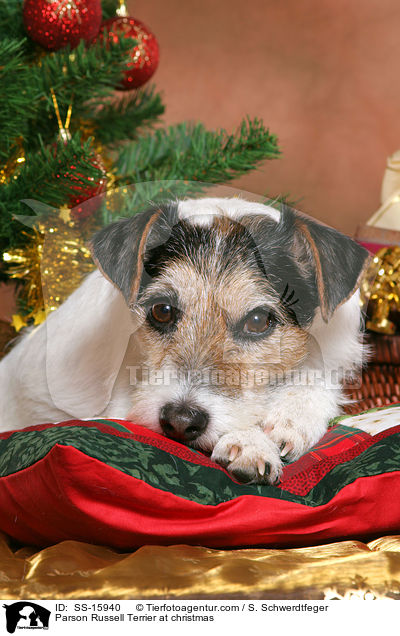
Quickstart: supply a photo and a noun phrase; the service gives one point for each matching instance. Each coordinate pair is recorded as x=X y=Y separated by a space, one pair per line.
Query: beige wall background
x=322 y=74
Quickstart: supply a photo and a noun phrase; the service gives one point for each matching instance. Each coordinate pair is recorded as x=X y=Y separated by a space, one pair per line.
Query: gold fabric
x=79 y=570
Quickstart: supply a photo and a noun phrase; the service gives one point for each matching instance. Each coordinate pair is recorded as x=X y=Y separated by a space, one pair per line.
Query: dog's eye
x=163 y=313
x=257 y=322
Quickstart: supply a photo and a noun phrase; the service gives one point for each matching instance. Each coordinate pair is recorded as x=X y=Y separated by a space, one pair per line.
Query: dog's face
x=223 y=307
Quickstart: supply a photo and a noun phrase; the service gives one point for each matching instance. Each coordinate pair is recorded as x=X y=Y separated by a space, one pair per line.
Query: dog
x=224 y=324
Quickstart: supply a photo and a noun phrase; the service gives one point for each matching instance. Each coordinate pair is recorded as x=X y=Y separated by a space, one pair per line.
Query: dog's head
x=226 y=293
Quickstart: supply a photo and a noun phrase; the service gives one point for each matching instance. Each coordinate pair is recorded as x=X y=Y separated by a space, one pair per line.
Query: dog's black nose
x=183 y=422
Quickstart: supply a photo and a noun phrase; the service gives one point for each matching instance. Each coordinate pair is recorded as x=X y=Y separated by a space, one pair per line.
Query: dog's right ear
x=118 y=250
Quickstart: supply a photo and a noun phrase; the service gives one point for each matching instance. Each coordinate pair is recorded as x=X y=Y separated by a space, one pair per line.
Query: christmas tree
x=78 y=119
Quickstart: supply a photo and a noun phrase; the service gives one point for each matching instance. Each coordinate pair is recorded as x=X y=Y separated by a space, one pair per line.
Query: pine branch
x=118 y=121
x=86 y=71
x=191 y=152
x=46 y=176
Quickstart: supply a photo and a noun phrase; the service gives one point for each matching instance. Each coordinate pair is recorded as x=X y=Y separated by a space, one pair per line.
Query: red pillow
x=116 y=483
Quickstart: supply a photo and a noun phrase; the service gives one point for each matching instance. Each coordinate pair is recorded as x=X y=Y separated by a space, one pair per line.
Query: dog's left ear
x=338 y=261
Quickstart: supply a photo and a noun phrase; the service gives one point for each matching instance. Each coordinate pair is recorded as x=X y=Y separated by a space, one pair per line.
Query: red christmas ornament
x=56 y=23
x=144 y=56
x=86 y=200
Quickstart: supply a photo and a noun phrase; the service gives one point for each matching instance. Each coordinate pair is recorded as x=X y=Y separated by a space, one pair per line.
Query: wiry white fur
x=339 y=341
x=68 y=366
x=77 y=365
x=203 y=211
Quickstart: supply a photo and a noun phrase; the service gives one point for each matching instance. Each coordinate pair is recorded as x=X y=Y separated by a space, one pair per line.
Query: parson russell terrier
x=225 y=324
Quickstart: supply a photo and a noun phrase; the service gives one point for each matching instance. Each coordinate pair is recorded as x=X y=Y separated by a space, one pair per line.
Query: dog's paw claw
x=233 y=453
x=261 y=467
x=285 y=448
x=291 y=444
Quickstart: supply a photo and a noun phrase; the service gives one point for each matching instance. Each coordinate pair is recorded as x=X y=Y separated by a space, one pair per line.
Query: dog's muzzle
x=183 y=422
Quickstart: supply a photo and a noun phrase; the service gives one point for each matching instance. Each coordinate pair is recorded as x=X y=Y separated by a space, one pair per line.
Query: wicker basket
x=380 y=382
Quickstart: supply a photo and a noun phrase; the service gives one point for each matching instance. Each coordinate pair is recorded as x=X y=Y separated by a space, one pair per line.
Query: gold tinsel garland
x=10 y=169
x=381 y=290
x=51 y=266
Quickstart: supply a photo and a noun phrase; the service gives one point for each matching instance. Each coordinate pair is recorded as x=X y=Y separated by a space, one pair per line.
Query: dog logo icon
x=26 y=615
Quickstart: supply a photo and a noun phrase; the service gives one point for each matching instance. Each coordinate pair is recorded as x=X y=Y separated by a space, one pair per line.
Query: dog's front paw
x=294 y=437
x=250 y=456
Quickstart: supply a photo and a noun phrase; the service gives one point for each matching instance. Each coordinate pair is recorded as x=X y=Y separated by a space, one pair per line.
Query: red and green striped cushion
x=119 y=484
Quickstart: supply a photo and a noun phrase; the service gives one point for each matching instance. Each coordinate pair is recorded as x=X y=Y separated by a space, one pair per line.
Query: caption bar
x=151 y=617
